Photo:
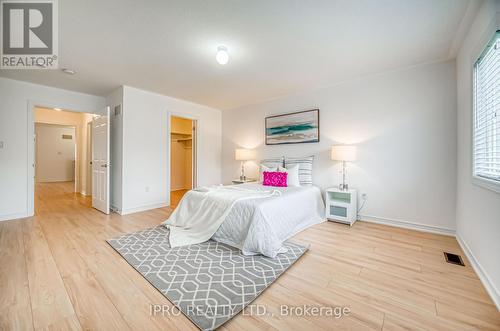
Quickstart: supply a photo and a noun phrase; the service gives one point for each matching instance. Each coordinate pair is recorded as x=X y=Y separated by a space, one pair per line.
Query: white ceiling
x=276 y=47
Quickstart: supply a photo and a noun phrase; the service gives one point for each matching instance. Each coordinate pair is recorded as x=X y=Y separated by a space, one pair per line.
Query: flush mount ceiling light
x=222 y=55
x=69 y=71
x=57 y=109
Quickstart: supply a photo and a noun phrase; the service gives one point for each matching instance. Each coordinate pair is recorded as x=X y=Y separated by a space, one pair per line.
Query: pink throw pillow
x=273 y=178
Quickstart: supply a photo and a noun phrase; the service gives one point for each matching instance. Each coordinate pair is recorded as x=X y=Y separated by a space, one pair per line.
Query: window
x=486 y=154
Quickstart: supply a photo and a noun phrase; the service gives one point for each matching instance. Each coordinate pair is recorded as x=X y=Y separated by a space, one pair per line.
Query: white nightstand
x=341 y=206
x=241 y=181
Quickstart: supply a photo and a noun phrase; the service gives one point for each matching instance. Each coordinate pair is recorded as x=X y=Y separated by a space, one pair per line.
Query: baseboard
x=407 y=225
x=9 y=217
x=144 y=208
x=483 y=276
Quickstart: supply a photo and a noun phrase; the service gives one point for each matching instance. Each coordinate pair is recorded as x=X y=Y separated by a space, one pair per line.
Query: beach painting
x=293 y=128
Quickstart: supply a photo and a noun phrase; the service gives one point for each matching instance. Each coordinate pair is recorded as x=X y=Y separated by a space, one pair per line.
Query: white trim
x=481 y=43
x=143 y=208
x=9 y=217
x=483 y=276
x=407 y=225
x=486 y=183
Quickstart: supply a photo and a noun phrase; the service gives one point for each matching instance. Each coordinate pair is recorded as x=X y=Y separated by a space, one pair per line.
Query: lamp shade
x=344 y=153
x=241 y=154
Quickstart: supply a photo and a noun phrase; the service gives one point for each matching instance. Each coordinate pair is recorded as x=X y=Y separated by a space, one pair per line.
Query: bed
x=254 y=218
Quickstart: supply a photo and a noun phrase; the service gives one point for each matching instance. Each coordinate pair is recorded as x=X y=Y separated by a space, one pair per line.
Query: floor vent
x=453 y=258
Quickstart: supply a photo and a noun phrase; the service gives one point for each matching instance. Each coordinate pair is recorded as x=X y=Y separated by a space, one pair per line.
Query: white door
x=88 y=185
x=100 y=163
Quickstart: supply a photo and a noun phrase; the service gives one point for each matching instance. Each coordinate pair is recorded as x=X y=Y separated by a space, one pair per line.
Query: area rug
x=209 y=282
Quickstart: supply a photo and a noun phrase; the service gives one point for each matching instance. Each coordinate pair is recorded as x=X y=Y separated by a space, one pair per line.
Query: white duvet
x=202 y=211
x=256 y=223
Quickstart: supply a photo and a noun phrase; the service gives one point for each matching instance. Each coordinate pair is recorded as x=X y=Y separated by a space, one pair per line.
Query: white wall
x=55 y=156
x=404 y=124
x=146 y=180
x=478 y=209
x=15 y=98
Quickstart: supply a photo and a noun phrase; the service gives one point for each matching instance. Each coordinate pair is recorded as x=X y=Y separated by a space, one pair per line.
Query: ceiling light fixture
x=222 y=55
x=69 y=71
x=57 y=109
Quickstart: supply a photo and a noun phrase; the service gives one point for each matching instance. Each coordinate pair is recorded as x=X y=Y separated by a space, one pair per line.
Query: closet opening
x=182 y=157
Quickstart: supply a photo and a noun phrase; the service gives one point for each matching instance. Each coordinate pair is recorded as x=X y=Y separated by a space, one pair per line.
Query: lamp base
x=343 y=186
x=242 y=176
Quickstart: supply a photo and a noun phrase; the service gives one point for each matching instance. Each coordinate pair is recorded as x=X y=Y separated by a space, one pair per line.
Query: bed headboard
x=273 y=162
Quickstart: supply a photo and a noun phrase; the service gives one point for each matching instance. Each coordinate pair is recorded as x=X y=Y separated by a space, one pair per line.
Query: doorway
x=182 y=157
x=61 y=155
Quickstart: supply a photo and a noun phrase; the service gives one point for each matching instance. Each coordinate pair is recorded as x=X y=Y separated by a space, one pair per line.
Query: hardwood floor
x=57 y=272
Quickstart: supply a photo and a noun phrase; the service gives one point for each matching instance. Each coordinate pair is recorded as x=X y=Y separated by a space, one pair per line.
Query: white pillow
x=265 y=168
x=292 y=179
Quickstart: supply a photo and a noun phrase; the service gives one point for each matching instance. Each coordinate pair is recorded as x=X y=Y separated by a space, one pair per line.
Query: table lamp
x=242 y=154
x=344 y=153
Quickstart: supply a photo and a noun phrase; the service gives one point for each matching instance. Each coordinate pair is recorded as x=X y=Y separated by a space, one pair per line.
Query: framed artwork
x=293 y=128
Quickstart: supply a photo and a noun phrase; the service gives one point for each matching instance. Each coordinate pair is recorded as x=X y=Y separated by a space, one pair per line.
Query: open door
x=100 y=162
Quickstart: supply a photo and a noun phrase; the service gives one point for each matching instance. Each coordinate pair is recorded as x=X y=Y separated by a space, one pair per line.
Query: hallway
x=62 y=192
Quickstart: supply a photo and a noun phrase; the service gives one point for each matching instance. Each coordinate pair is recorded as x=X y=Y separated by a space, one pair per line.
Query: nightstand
x=341 y=205
x=242 y=181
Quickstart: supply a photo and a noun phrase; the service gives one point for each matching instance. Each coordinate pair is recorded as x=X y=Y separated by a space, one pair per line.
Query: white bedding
x=202 y=210
x=261 y=225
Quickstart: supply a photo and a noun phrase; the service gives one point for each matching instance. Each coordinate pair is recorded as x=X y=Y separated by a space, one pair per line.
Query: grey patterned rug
x=209 y=282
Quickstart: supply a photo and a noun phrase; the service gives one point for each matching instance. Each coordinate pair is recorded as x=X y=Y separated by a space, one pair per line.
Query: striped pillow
x=305 y=168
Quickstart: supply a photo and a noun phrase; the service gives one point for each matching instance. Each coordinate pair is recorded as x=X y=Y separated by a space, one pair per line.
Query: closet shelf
x=173 y=133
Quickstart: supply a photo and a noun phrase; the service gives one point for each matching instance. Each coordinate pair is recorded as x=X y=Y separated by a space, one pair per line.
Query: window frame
x=484 y=182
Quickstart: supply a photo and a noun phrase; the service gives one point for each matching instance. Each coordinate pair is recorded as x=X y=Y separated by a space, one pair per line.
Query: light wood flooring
x=58 y=273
